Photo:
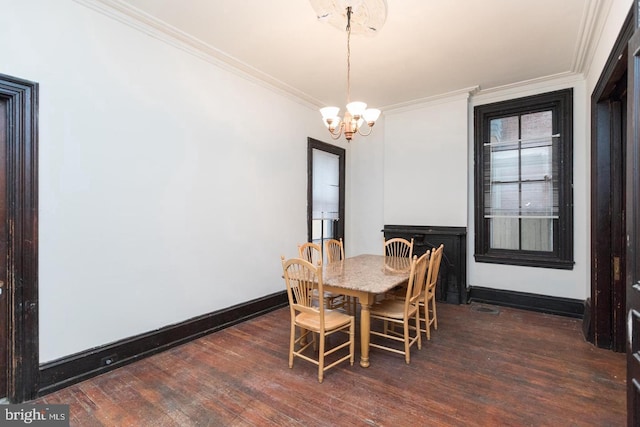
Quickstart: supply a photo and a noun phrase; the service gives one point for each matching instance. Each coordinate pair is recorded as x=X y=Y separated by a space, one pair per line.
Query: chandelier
x=357 y=114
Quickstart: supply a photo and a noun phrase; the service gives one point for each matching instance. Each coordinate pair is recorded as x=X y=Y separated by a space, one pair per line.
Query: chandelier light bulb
x=329 y=115
x=356 y=108
x=370 y=115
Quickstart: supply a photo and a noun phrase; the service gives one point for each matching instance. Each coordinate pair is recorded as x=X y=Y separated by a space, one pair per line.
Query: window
x=523 y=181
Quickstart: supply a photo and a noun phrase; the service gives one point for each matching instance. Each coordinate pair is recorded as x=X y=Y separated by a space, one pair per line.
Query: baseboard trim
x=526 y=301
x=78 y=367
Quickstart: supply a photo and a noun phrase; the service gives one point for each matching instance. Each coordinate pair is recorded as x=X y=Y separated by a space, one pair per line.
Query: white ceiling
x=426 y=48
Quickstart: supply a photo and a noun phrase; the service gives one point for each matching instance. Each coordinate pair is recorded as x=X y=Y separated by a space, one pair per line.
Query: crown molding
x=591 y=27
x=567 y=79
x=415 y=104
x=160 y=30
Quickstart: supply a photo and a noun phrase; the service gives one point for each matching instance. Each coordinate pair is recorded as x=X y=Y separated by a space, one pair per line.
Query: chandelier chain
x=348 y=54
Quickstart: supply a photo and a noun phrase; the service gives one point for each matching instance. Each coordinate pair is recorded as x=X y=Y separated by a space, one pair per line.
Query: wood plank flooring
x=503 y=367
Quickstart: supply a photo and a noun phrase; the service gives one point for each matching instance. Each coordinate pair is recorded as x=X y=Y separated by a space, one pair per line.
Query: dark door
x=633 y=228
x=4 y=319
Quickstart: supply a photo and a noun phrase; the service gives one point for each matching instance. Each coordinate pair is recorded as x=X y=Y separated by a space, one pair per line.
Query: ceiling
x=426 y=48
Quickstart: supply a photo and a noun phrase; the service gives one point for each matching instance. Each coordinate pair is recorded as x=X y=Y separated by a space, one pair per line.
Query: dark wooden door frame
x=21 y=98
x=632 y=273
x=605 y=311
x=341 y=153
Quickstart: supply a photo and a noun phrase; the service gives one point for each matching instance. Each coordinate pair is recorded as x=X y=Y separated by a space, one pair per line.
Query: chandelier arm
x=337 y=135
x=368 y=133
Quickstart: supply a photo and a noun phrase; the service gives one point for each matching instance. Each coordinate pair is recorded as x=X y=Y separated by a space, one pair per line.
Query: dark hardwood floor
x=481 y=368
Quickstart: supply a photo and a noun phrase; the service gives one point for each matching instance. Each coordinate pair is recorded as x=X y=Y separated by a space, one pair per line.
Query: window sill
x=525 y=260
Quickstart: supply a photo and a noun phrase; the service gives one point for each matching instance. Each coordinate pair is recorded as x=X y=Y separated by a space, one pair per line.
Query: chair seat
x=391 y=308
x=332 y=320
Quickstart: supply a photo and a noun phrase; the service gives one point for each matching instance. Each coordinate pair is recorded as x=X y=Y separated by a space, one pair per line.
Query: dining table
x=365 y=277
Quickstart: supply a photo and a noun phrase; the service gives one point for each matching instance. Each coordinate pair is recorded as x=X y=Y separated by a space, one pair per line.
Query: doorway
x=19 y=238
x=325 y=191
x=605 y=311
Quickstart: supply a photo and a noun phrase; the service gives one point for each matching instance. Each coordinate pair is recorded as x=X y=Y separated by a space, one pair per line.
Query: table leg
x=365 y=329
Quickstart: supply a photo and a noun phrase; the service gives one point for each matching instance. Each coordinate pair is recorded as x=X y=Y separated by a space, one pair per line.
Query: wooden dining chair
x=302 y=278
x=334 y=249
x=312 y=252
x=397 y=257
x=427 y=302
x=401 y=312
x=398 y=247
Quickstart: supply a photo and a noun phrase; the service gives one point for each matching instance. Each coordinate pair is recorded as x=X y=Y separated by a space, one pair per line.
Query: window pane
x=536 y=163
x=504 y=165
x=326 y=194
x=505 y=200
x=504 y=233
x=537 y=234
x=504 y=129
x=538 y=199
x=536 y=125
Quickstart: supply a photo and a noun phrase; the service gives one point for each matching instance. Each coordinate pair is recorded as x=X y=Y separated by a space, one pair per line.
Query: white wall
x=365 y=171
x=425 y=164
x=161 y=177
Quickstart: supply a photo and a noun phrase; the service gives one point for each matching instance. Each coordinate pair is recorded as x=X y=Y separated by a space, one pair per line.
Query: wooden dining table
x=364 y=277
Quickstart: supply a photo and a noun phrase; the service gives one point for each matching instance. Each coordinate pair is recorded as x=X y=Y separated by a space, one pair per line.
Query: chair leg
x=321 y=358
x=418 y=331
x=292 y=342
x=352 y=340
x=435 y=315
x=407 y=353
x=427 y=321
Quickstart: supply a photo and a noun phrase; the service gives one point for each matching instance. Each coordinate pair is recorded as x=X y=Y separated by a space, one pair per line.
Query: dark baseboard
x=81 y=366
x=533 y=302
